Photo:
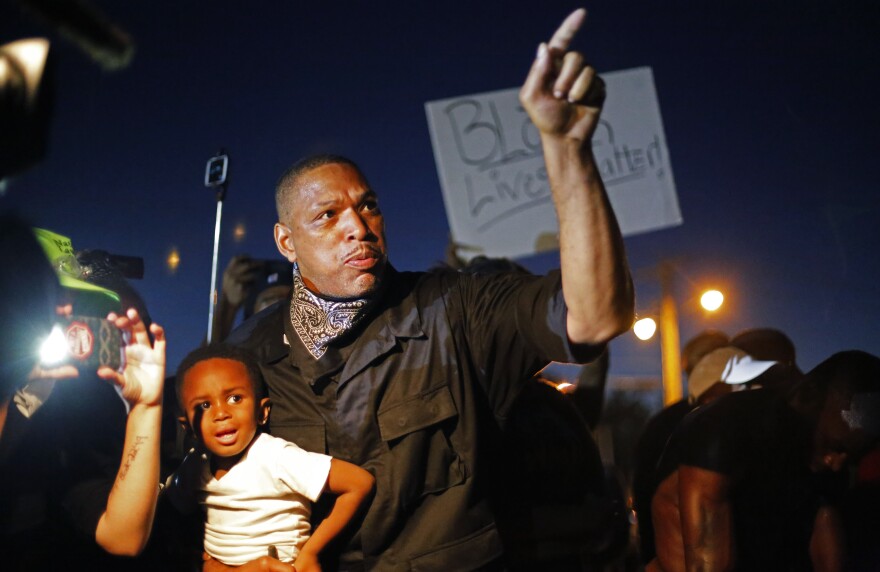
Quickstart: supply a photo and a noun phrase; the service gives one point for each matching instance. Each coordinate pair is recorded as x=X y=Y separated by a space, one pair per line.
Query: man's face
x=835 y=443
x=220 y=406
x=336 y=233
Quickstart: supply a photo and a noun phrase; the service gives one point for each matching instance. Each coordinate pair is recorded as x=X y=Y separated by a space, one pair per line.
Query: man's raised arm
x=563 y=97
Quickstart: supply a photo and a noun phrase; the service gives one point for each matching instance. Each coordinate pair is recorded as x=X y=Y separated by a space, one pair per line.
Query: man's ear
x=265 y=408
x=284 y=241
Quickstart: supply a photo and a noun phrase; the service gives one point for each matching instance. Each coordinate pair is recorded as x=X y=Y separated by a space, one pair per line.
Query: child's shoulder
x=271 y=449
x=269 y=445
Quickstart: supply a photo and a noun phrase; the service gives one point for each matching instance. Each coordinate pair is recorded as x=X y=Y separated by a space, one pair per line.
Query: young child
x=256 y=489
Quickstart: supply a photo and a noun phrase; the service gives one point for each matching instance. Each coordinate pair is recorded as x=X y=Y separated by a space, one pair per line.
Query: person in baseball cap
x=723 y=371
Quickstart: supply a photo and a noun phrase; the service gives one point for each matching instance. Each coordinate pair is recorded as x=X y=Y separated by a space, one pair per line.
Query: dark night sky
x=769 y=111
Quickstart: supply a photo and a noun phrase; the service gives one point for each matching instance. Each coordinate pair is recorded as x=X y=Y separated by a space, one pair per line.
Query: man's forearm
x=827 y=543
x=706 y=520
x=124 y=528
x=707 y=541
x=595 y=276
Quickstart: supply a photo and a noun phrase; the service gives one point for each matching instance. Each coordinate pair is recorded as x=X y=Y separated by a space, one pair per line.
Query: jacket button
x=401 y=421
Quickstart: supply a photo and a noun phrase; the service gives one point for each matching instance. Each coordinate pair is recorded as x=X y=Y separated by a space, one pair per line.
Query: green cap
x=60 y=253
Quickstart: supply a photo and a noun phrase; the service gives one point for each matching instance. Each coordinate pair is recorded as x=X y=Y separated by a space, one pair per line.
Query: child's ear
x=265 y=407
x=184 y=423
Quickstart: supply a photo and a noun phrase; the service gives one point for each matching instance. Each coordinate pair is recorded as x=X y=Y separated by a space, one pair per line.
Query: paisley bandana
x=318 y=321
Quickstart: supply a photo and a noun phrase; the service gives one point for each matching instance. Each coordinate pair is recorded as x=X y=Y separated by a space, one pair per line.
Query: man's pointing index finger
x=565 y=34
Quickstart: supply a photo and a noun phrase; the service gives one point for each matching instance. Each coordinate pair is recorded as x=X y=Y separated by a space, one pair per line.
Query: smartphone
x=88 y=343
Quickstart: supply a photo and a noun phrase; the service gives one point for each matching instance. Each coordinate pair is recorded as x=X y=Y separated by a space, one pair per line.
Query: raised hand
x=142 y=379
x=562 y=93
x=125 y=526
x=238 y=279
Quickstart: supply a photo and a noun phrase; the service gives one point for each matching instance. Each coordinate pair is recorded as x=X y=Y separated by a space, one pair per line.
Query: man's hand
x=562 y=93
x=307 y=562
x=261 y=564
x=46 y=376
x=238 y=282
x=238 y=279
x=563 y=97
x=142 y=379
x=40 y=373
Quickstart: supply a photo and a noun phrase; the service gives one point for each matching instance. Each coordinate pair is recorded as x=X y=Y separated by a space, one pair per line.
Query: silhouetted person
x=53 y=509
x=770 y=344
x=249 y=285
x=748 y=485
x=578 y=522
x=657 y=431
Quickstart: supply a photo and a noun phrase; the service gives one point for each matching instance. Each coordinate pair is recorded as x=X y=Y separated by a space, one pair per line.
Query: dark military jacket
x=416 y=395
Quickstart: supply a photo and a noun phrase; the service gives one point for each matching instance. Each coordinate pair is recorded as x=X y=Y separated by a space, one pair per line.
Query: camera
x=100 y=265
x=273 y=282
x=86 y=342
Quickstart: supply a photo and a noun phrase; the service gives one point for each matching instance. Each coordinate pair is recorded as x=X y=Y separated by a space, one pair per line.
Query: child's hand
x=307 y=562
x=142 y=379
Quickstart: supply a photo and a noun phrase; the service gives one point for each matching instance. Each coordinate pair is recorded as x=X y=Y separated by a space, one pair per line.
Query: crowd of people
x=754 y=470
x=363 y=418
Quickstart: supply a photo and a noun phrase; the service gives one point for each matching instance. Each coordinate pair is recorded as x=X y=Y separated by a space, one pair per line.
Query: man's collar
x=395 y=313
x=403 y=319
x=320 y=321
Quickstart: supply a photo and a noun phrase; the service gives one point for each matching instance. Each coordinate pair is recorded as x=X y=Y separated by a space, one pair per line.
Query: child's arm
x=354 y=486
x=124 y=527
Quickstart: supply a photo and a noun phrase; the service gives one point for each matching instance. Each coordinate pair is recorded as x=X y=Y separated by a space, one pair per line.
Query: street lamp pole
x=670 y=347
x=670 y=344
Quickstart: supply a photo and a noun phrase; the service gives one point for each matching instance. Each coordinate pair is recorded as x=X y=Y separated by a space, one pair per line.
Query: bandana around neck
x=318 y=321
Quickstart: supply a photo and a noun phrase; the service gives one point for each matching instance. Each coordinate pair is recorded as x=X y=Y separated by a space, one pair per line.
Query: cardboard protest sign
x=494 y=181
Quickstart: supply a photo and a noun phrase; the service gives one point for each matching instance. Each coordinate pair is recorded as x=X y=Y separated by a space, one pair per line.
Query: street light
x=711 y=300
x=644 y=329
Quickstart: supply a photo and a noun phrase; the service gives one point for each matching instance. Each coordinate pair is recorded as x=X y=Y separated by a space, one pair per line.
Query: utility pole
x=670 y=346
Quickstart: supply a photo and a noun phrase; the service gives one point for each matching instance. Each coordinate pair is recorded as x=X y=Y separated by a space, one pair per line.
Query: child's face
x=221 y=407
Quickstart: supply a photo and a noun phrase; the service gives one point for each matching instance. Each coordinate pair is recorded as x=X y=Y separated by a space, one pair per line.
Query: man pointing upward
x=410 y=375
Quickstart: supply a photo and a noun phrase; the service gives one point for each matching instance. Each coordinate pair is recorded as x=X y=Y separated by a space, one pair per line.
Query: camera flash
x=54 y=349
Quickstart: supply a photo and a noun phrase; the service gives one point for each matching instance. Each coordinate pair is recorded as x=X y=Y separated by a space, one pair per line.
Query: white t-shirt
x=265 y=499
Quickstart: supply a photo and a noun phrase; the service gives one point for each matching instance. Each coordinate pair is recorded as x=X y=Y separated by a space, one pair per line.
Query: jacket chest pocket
x=416 y=431
x=309 y=436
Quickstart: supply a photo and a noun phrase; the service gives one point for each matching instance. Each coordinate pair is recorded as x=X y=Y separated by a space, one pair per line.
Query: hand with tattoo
x=125 y=526
x=142 y=378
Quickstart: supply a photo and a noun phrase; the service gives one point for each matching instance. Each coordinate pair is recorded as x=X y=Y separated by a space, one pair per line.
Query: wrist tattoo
x=131 y=455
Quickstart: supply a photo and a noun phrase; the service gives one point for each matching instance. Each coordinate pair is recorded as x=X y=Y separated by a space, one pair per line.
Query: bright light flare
x=644 y=329
x=711 y=300
x=239 y=233
x=54 y=349
x=30 y=56
x=173 y=260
